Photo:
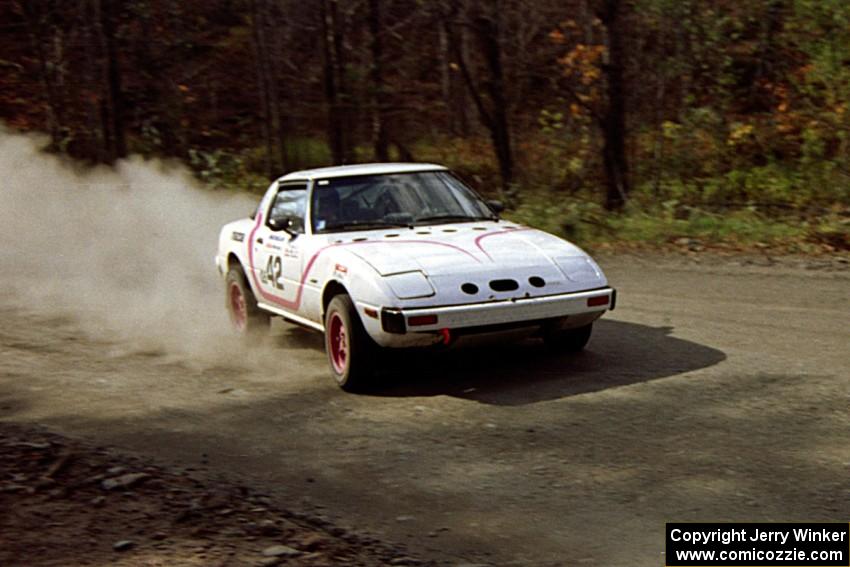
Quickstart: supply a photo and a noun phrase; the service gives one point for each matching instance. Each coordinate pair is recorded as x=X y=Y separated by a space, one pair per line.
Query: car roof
x=360 y=169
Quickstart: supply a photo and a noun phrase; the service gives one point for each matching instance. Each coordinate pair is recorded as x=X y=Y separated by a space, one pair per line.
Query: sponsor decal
x=271 y=274
x=238 y=236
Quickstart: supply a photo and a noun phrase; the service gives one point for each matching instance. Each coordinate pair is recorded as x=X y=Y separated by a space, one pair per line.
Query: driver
x=327 y=208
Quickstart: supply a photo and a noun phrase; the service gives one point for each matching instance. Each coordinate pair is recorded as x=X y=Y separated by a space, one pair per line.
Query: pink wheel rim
x=338 y=343
x=238 y=308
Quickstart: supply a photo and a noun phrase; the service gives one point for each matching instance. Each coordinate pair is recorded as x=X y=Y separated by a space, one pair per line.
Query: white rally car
x=400 y=255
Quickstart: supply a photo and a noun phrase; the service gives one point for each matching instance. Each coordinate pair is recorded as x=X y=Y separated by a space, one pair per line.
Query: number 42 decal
x=272 y=272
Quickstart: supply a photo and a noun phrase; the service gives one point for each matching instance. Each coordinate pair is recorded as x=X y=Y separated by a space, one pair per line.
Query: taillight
x=597 y=301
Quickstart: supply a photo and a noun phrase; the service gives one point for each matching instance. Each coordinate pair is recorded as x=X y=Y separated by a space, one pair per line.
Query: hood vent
x=469 y=288
x=504 y=285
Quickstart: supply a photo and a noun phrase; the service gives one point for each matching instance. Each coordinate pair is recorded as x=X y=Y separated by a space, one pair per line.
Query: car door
x=277 y=247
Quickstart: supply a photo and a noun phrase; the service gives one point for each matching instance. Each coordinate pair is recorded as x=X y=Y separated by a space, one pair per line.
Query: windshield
x=398 y=199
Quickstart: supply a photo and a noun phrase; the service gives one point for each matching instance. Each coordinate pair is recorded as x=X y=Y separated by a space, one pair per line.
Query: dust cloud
x=129 y=251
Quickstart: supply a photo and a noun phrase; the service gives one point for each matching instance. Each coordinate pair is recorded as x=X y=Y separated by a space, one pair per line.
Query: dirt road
x=712 y=393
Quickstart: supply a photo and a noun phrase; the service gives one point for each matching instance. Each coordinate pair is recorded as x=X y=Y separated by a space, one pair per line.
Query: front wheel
x=349 y=348
x=245 y=316
x=567 y=340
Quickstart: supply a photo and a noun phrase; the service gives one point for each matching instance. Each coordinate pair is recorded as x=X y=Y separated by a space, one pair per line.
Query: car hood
x=470 y=248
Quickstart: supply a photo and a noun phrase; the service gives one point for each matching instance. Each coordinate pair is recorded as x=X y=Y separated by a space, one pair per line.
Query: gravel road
x=713 y=393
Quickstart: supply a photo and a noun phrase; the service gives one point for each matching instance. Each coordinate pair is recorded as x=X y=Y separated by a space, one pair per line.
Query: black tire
x=568 y=340
x=247 y=320
x=351 y=351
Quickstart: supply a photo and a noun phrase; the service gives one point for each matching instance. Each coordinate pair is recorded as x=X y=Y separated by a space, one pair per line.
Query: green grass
x=588 y=224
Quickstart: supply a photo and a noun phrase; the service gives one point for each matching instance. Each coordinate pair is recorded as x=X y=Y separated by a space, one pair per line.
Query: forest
x=608 y=121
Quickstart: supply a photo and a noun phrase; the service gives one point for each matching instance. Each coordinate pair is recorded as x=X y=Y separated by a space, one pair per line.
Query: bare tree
x=613 y=119
x=380 y=140
x=452 y=84
x=112 y=102
x=38 y=28
x=265 y=82
x=488 y=94
x=337 y=95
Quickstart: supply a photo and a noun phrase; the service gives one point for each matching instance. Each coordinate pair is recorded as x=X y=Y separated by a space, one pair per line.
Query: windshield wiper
x=364 y=225
x=436 y=219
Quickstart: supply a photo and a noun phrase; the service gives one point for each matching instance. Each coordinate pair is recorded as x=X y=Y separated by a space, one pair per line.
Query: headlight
x=410 y=285
x=579 y=269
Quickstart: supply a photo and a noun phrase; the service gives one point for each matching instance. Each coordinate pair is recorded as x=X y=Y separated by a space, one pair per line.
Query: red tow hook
x=447 y=336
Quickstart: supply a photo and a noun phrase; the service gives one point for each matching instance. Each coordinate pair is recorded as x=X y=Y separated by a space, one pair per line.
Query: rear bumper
x=514 y=312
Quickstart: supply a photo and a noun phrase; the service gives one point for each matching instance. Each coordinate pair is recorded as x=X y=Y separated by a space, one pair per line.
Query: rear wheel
x=567 y=340
x=247 y=319
x=349 y=348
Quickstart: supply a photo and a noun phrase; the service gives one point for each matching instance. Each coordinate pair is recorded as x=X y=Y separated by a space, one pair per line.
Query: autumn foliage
x=706 y=104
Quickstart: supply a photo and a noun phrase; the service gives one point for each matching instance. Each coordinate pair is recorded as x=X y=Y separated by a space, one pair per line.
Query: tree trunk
x=95 y=142
x=452 y=84
x=282 y=37
x=380 y=141
x=346 y=102
x=336 y=140
x=446 y=75
x=613 y=120
x=495 y=117
x=261 y=67
x=489 y=31
x=115 y=95
x=166 y=110
x=270 y=64
x=658 y=141
x=36 y=31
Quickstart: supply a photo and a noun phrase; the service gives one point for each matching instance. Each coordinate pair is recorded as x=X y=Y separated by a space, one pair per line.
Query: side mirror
x=495 y=205
x=291 y=225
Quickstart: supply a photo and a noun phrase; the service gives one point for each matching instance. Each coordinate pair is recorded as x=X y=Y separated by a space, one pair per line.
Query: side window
x=290 y=204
